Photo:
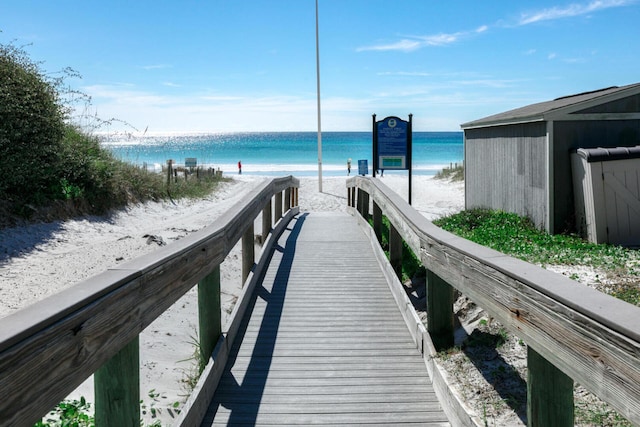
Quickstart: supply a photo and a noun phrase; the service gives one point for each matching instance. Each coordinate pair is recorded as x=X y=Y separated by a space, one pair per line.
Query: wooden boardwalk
x=324 y=341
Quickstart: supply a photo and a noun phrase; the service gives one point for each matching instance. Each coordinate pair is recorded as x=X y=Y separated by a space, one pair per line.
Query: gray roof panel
x=537 y=112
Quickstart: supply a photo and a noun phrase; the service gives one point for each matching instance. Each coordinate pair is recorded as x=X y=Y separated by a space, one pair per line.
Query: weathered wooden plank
x=325 y=330
x=306 y=399
x=590 y=336
x=49 y=348
x=348 y=407
x=252 y=418
x=366 y=371
x=275 y=351
x=196 y=406
x=293 y=364
x=302 y=339
x=360 y=342
x=332 y=382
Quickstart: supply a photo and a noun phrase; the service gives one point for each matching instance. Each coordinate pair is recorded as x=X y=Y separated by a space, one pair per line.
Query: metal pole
x=410 y=151
x=319 y=122
x=374 y=145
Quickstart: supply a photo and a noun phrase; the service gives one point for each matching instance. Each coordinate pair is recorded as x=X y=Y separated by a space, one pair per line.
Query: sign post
x=392 y=139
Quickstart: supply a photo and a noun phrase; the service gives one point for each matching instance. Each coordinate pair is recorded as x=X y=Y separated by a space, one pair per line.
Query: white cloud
x=417 y=42
x=404 y=45
x=491 y=83
x=571 y=10
x=200 y=112
x=411 y=43
x=404 y=73
x=155 y=66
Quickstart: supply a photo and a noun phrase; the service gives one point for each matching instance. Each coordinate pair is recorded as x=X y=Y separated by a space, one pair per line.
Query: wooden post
x=377 y=221
x=117 y=388
x=209 y=317
x=278 y=207
x=395 y=251
x=349 y=196
x=360 y=201
x=549 y=393
x=266 y=221
x=440 y=316
x=169 y=171
x=353 y=197
x=287 y=199
x=248 y=253
x=365 y=205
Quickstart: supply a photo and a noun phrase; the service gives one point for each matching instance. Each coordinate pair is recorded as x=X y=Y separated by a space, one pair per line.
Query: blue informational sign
x=392 y=143
x=363 y=167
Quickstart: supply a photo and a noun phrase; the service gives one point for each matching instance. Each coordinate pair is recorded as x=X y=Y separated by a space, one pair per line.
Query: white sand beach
x=41 y=259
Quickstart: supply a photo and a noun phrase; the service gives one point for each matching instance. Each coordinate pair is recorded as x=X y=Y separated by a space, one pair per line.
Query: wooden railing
x=49 y=348
x=573 y=333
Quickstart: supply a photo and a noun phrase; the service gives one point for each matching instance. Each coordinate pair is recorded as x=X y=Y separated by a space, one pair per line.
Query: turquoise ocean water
x=283 y=153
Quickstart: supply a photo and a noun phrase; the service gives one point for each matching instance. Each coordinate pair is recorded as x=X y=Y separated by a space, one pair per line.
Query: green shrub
x=517 y=236
x=31 y=128
x=455 y=172
x=56 y=170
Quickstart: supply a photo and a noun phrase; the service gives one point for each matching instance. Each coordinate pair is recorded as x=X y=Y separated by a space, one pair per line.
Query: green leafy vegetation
x=55 y=169
x=455 y=172
x=70 y=413
x=31 y=126
x=411 y=265
x=155 y=407
x=518 y=237
x=78 y=413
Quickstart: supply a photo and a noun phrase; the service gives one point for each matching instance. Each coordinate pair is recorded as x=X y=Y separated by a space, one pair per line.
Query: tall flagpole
x=319 y=122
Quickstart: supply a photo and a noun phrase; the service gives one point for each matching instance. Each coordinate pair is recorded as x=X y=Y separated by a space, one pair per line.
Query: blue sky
x=232 y=65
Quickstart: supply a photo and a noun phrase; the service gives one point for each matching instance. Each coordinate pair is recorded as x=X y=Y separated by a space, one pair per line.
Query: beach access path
x=323 y=340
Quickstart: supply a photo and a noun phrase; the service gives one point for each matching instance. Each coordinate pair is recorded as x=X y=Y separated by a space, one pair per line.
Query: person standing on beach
x=239 y=167
x=349 y=166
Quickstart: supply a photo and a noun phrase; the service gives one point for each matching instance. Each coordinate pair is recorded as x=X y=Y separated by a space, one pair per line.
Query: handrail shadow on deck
x=255 y=377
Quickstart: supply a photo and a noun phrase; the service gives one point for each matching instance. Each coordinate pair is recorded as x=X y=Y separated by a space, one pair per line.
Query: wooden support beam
x=549 y=393
x=365 y=205
x=278 y=206
x=287 y=199
x=377 y=221
x=248 y=253
x=395 y=251
x=209 y=314
x=440 y=316
x=117 y=388
x=266 y=221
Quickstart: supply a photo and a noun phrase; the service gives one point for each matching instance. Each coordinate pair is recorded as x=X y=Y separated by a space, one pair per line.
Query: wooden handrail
x=591 y=337
x=49 y=348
